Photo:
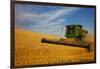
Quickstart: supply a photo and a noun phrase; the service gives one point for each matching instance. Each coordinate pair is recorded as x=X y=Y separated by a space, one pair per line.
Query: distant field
x=30 y=51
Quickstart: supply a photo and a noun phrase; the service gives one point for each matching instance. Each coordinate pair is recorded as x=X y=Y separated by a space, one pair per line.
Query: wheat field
x=30 y=51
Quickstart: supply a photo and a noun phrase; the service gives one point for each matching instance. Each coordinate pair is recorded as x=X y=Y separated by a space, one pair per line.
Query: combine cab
x=75 y=31
x=72 y=31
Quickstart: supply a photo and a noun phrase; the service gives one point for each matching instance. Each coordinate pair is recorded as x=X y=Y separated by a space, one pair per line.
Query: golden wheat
x=30 y=51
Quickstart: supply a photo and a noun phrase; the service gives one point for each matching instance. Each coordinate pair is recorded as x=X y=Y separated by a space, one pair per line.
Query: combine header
x=72 y=31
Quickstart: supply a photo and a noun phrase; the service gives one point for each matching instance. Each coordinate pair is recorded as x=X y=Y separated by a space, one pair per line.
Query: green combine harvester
x=72 y=31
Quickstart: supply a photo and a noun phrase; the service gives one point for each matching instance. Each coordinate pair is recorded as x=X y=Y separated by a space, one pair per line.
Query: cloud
x=57 y=13
x=47 y=22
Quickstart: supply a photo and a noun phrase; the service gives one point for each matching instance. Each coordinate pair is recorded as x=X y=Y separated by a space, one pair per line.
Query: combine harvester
x=75 y=32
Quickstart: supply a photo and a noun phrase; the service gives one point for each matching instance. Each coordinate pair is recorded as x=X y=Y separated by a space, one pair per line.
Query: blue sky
x=51 y=19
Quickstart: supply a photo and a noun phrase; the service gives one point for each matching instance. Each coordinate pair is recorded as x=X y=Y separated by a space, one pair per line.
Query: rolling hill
x=30 y=51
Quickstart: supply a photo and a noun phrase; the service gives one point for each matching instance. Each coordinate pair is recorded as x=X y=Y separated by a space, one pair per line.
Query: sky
x=52 y=19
